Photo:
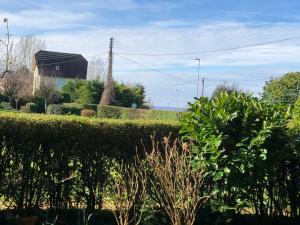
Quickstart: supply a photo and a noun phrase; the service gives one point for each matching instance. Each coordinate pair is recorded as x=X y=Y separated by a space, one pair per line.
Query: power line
x=212 y=51
x=149 y=68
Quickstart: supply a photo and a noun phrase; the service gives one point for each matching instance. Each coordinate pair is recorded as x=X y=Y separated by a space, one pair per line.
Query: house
x=58 y=68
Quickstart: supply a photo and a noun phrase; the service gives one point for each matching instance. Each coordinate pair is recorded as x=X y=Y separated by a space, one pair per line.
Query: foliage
x=225 y=87
x=126 y=95
x=72 y=108
x=242 y=142
x=82 y=91
x=90 y=106
x=62 y=160
x=6 y=106
x=55 y=109
x=285 y=89
x=88 y=113
x=129 y=113
x=3 y=98
x=29 y=108
x=47 y=91
x=86 y=92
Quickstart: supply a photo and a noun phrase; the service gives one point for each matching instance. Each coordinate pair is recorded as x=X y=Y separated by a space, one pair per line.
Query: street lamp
x=5 y=20
x=198 y=76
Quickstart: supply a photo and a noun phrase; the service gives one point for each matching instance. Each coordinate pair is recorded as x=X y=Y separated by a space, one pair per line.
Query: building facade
x=57 y=68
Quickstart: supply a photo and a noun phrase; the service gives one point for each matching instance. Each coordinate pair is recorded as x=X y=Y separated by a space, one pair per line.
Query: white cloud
x=45 y=19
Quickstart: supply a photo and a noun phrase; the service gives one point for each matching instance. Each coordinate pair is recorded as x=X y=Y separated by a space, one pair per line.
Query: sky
x=152 y=39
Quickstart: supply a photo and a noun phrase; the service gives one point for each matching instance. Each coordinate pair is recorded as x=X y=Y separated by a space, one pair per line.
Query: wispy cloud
x=46 y=19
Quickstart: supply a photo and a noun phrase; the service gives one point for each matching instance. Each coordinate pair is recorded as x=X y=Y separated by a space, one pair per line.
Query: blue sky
x=159 y=27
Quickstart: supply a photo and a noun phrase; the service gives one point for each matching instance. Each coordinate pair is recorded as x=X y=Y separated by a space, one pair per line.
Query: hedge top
x=87 y=134
x=42 y=118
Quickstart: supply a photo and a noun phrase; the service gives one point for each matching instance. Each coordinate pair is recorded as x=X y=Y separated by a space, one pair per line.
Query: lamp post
x=197 y=59
x=5 y=20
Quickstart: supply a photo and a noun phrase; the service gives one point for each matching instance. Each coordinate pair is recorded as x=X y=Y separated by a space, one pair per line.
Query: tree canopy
x=285 y=89
x=85 y=92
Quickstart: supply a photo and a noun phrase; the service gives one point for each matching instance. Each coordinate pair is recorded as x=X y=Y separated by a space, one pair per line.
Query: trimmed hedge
x=88 y=113
x=6 y=106
x=45 y=158
x=130 y=113
x=114 y=112
x=29 y=108
x=55 y=109
x=72 y=108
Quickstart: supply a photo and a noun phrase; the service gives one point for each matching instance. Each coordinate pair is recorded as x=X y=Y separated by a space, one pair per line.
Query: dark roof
x=60 y=64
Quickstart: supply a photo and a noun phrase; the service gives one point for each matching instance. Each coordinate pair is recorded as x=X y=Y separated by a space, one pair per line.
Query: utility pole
x=108 y=93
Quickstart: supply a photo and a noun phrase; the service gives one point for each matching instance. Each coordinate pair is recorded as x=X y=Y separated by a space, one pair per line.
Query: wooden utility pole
x=108 y=93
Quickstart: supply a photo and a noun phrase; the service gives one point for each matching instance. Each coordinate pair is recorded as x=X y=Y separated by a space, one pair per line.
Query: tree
x=82 y=91
x=283 y=90
x=225 y=87
x=17 y=85
x=25 y=49
x=47 y=91
x=126 y=95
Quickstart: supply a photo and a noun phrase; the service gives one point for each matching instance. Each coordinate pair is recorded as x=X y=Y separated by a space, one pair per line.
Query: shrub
x=90 y=106
x=31 y=107
x=28 y=108
x=108 y=112
x=72 y=108
x=88 y=113
x=54 y=150
x=55 y=109
x=3 y=98
x=242 y=141
x=40 y=104
x=6 y=106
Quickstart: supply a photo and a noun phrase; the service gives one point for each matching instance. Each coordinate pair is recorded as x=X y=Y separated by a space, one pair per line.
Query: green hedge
x=114 y=112
x=38 y=152
x=129 y=113
x=6 y=106
x=69 y=108
x=29 y=108
x=72 y=108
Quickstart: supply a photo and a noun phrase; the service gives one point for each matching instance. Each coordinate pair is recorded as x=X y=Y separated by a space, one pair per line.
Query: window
x=57 y=68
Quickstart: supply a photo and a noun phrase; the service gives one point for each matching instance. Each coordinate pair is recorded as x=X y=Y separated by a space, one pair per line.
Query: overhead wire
x=149 y=68
x=211 y=51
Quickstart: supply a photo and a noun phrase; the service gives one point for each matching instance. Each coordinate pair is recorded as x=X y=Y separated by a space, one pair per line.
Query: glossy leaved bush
x=245 y=147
